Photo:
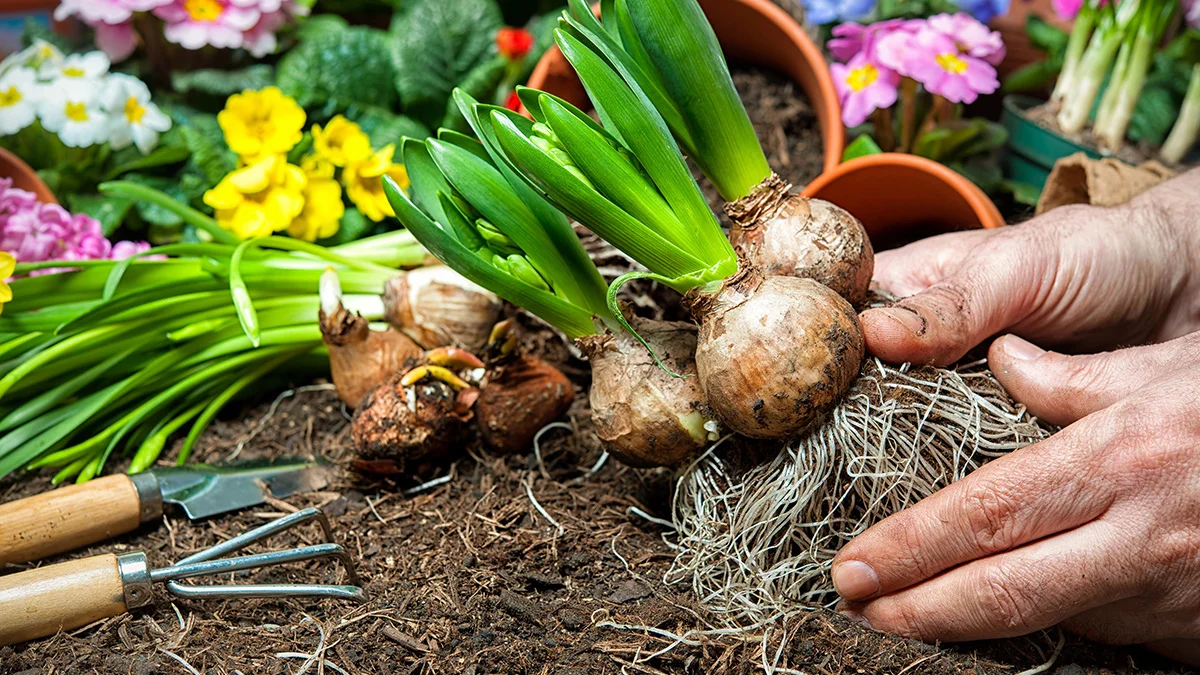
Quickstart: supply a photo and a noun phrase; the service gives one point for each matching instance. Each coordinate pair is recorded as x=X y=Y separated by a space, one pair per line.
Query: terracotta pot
x=755 y=31
x=24 y=177
x=901 y=198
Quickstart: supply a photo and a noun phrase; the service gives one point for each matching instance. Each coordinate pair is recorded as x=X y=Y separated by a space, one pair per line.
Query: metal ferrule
x=149 y=494
x=135 y=579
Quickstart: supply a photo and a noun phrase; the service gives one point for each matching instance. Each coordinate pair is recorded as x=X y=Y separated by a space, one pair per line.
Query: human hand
x=1097 y=527
x=1079 y=277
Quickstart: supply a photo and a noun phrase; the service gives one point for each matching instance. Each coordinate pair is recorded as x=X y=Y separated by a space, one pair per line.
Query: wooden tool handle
x=45 y=600
x=67 y=518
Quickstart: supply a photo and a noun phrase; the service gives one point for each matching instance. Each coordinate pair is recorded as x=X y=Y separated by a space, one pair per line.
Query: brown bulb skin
x=360 y=359
x=518 y=399
x=788 y=235
x=408 y=428
x=775 y=353
x=643 y=415
x=438 y=308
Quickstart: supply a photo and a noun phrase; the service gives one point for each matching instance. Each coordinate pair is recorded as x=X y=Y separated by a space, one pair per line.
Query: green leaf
x=211 y=157
x=572 y=320
x=110 y=211
x=1044 y=36
x=1154 y=115
x=386 y=128
x=435 y=44
x=315 y=26
x=1033 y=77
x=153 y=213
x=861 y=147
x=589 y=207
x=647 y=137
x=990 y=136
x=426 y=180
x=339 y=69
x=1024 y=193
x=160 y=156
x=680 y=41
x=223 y=82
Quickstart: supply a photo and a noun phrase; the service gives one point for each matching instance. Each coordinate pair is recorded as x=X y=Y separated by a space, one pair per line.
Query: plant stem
x=884 y=132
x=1187 y=125
x=1085 y=22
x=189 y=215
x=908 y=107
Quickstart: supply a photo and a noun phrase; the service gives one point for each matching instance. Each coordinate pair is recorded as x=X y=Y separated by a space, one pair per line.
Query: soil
x=514 y=564
x=786 y=125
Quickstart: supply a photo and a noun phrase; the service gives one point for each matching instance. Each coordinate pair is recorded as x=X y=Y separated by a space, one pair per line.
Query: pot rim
x=28 y=178
x=989 y=216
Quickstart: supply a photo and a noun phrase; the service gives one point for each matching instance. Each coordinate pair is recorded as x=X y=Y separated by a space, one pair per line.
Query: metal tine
x=209 y=562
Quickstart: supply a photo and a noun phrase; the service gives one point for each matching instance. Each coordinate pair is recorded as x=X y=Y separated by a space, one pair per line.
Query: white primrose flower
x=18 y=100
x=89 y=66
x=132 y=118
x=72 y=110
x=33 y=56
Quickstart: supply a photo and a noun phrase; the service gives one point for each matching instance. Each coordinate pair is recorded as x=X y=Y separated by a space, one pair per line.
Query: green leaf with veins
x=338 y=69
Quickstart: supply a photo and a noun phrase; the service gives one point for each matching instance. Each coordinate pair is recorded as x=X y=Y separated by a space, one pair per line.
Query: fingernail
x=1021 y=350
x=855 y=580
x=915 y=323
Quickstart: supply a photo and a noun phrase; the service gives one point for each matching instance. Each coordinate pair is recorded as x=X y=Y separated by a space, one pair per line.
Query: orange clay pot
x=901 y=197
x=755 y=31
x=24 y=177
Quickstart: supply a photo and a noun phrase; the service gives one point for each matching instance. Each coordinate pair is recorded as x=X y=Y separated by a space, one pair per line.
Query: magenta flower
x=863 y=87
x=104 y=11
x=127 y=249
x=934 y=59
x=971 y=36
x=1066 y=9
x=116 y=40
x=852 y=38
x=199 y=23
x=1191 y=13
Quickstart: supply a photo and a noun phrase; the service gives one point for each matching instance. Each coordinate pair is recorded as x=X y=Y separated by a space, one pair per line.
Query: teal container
x=1032 y=150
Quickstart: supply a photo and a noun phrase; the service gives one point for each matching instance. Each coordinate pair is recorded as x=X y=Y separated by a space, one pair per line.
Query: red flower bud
x=513 y=102
x=514 y=43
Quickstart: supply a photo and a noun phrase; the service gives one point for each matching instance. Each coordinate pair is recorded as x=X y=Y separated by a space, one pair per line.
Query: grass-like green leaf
x=649 y=140
x=585 y=204
x=571 y=319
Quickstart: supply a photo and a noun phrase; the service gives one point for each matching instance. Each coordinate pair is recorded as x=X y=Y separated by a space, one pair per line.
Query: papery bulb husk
x=643 y=415
x=517 y=399
x=439 y=308
x=785 y=234
x=360 y=359
x=405 y=429
x=775 y=353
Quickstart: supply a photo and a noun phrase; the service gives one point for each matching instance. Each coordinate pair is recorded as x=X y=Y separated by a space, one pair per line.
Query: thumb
x=1061 y=388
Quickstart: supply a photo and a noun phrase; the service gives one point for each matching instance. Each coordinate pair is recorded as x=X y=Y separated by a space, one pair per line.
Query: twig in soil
x=325 y=663
x=181 y=661
x=537 y=444
x=536 y=505
x=1062 y=640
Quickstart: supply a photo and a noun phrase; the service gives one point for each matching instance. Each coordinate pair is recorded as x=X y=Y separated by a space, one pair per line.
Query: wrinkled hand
x=1078 y=277
x=1097 y=527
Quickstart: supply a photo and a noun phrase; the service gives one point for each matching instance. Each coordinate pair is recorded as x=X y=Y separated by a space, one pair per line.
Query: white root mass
x=756 y=545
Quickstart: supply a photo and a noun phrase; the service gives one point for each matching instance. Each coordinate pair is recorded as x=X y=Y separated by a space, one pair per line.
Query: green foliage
x=339 y=68
x=479 y=84
x=110 y=211
x=914 y=9
x=435 y=45
x=131 y=159
x=960 y=140
x=211 y=158
x=861 y=147
x=223 y=82
x=1039 y=74
x=35 y=30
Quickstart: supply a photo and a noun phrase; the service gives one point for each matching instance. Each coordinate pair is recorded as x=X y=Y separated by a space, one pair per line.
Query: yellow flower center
x=73 y=72
x=951 y=63
x=10 y=97
x=134 y=110
x=860 y=78
x=77 y=111
x=203 y=10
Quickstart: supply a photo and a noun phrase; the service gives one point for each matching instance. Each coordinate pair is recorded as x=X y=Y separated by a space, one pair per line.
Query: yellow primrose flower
x=316 y=166
x=323 y=207
x=364 y=182
x=262 y=122
x=8 y=264
x=259 y=199
x=341 y=141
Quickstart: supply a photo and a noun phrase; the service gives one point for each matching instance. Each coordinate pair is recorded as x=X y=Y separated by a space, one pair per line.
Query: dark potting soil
x=513 y=565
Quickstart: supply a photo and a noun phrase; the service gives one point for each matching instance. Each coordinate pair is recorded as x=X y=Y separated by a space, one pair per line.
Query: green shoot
x=1187 y=126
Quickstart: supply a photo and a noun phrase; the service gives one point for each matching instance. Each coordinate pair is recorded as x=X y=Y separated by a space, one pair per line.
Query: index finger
x=1029 y=494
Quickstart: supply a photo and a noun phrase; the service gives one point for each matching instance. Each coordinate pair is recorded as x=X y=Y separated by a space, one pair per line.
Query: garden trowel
x=78 y=515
